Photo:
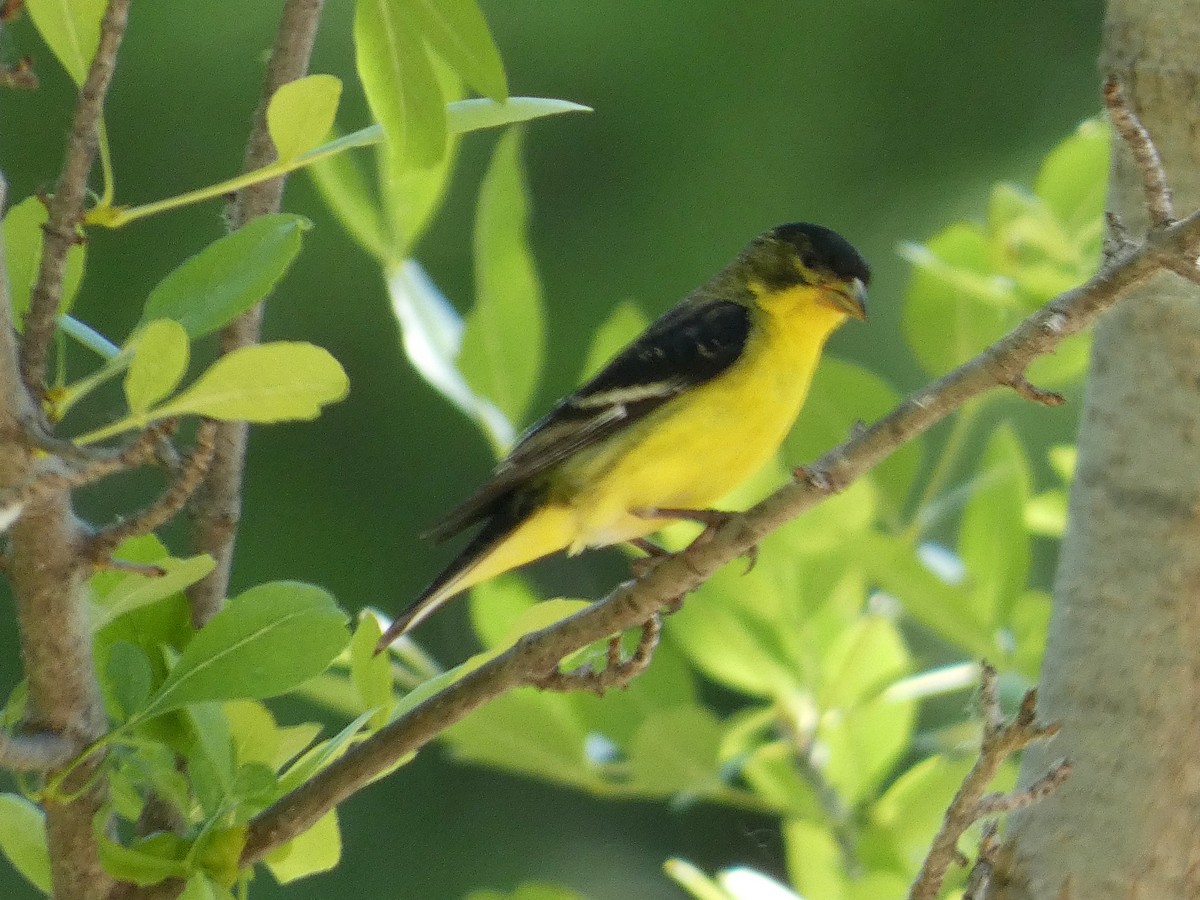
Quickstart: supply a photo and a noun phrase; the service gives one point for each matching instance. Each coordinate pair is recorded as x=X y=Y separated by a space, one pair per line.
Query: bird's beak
x=851 y=298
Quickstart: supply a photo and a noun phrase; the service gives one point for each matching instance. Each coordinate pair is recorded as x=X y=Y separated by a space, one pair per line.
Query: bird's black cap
x=823 y=248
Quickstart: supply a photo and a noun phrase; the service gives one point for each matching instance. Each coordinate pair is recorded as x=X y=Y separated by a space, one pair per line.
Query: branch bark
x=66 y=204
x=632 y=604
x=217 y=506
x=47 y=569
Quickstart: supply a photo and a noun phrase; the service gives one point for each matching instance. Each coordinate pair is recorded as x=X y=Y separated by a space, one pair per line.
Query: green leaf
x=264 y=642
x=814 y=860
x=411 y=193
x=947 y=609
x=147 y=861
x=529 y=890
x=133 y=590
x=530 y=734
x=210 y=755
x=371 y=672
x=23 y=839
x=864 y=659
x=343 y=186
x=219 y=851
x=624 y=323
x=956 y=304
x=400 y=84
x=864 y=743
x=733 y=647
x=201 y=887
x=676 y=750
x=160 y=359
x=129 y=677
x=71 y=29
x=23 y=253
x=275 y=382
x=1074 y=176
x=694 y=881
x=842 y=395
x=301 y=113
x=318 y=757
x=505 y=338
x=228 y=276
x=318 y=849
x=495 y=607
x=457 y=31
x=479 y=112
x=992 y=539
x=255 y=735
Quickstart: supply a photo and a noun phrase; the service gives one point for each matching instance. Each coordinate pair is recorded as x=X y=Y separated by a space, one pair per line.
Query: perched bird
x=680 y=417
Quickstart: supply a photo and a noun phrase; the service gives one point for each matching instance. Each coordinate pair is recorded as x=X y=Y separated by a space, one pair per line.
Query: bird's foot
x=711 y=519
x=644 y=565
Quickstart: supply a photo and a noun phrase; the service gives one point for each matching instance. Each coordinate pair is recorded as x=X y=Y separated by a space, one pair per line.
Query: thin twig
x=617 y=673
x=980 y=879
x=66 y=204
x=168 y=504
x=970 y=804
x=57 y=477
x=1145 y=154
x=632 y=604
x=217 y=507
x=994 y=804
x=1036 y=394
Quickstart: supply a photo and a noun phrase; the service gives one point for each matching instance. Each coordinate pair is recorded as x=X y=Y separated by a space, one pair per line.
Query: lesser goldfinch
x=676 y=420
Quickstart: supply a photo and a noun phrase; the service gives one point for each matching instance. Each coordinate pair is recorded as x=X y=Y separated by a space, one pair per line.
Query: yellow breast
x=701 y=445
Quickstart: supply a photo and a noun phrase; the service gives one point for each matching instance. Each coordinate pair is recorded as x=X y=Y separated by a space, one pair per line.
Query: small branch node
x=1184 y=268
x=1055 y=323
x=818 y=479
x=1159 y=206
x=1035 y=394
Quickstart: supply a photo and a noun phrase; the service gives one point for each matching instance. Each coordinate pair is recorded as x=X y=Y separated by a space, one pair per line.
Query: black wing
x=687 y=346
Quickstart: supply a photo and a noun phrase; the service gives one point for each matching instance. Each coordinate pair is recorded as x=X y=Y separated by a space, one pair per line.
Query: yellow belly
x=695 y=449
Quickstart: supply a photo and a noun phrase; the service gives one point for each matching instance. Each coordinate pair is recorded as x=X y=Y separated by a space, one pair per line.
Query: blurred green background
x=713 y=121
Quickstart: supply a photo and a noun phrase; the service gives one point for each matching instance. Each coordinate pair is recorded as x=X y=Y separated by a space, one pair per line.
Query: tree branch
x=168 y=504
x=66 y=205
x=538 y=653
x=217 y=506
x=1145 y=154
x=970 y=804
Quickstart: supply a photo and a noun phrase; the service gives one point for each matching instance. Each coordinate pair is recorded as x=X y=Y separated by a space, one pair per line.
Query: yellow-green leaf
x=71 y=28
x=160 y=359
x=274 y=382
x=458 y=32
x=400 y=83
x=505 y=337
x=23 y=839
x=300 y=114
x=23 y=253
x=318 y=849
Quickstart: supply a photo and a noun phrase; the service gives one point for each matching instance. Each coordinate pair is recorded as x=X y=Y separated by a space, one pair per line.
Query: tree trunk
x=1122 y=670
